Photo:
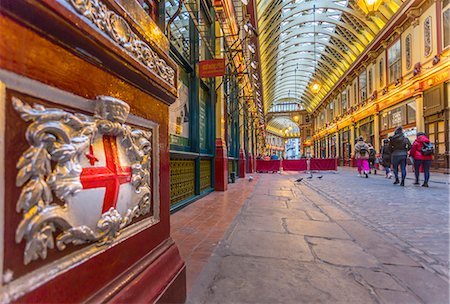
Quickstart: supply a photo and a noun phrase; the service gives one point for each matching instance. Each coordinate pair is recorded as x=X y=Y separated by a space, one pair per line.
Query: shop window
x=411 y=112
x=408 y=51
x=428 y=46
x=381 y=71
x=370 y=81
x=363 y=86
x=446 y=23
x=344 y=101
x=394 y=62
x=179 y=28
x=179 y=112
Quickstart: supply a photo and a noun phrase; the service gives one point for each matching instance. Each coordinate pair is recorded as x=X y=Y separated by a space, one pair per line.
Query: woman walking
x=362 y=157
x=386 y=157
x=422 y=152
x=399 y=146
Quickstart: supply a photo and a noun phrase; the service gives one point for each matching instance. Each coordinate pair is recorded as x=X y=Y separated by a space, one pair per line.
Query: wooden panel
x=182 y=180
x=205 y=174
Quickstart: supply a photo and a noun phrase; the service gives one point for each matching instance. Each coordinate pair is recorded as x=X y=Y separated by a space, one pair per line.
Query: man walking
x=399 y=146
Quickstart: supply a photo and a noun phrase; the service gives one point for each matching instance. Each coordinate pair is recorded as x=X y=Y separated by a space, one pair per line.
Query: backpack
x=363 y=150
x=427 y=148
x=372 y=154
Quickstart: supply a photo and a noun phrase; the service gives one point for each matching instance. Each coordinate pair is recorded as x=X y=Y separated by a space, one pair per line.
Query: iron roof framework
x=341 y=32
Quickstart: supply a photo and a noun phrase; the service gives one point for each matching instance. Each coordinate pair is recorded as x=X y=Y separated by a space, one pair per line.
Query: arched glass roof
x=305 y=40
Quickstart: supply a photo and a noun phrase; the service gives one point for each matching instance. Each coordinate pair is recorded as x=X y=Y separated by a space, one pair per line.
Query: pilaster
x=420 y=122
x=376 y=132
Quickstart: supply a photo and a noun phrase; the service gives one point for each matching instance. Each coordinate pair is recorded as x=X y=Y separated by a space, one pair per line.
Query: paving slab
x=276 y=212
x=341 y=253
x=261 y=223
x=425 y=284
x=316 y=228
x=379 y=279
x=316 y=215
x=270 y=245
x=256 y=280
x=267 y=203
x=397 y=297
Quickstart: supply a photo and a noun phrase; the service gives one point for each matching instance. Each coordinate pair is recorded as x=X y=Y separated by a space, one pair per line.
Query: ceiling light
x=245 y=2
x=369 y=6
x=255 y=76
x=254 y=64
x=315 y=87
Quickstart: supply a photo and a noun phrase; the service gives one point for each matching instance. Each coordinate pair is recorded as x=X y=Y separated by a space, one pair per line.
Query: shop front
x=436 y=119
x=345 y=150
x=403 y=114
x=365 y=128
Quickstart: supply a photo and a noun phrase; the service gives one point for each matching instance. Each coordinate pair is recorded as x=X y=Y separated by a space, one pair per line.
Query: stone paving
x=332 y=240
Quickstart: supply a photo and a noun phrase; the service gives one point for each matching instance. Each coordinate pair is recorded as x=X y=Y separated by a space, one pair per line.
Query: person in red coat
x=420 y=159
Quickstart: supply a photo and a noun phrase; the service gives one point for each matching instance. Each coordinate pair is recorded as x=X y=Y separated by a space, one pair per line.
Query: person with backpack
x=362 y=157
x=372 y=158
x=399 y=145
x=386 y=157
x=422 y=151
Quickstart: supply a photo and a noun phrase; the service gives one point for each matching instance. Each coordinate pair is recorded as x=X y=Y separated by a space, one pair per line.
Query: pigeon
x=298 y=180
x=309 y=177
x=320 y=176
x=250 y=178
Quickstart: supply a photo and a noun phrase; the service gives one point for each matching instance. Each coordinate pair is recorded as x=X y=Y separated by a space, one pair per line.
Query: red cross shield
x=105 y=178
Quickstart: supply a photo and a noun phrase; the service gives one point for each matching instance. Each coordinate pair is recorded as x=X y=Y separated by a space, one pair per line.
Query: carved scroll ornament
x=52 y=165
x=119 y=30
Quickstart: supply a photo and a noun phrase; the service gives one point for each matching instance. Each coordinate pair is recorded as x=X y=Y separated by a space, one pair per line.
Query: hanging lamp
x=315 y=85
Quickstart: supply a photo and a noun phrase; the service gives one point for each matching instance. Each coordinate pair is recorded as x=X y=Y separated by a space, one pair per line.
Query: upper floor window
x=344 y=101
x=408 y=51
x=394 y=62
x=446 y=23
x=381 y=71
x=428 y=46
x=363 y=86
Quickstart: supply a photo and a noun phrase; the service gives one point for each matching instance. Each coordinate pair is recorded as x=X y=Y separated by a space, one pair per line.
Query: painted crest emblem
x=83 y=178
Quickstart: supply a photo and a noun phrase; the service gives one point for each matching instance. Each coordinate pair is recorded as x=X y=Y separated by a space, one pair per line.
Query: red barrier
x=323 y=164
x=268 y=165
x=295 y=165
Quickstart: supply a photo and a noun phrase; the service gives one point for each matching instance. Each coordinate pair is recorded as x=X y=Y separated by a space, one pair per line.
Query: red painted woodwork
x=250 y=163
x=109 y=177
x=241 y=163
x=322 y=164
x=221 y=166
x=294 y=165
x=37 y=56
x=267 y=165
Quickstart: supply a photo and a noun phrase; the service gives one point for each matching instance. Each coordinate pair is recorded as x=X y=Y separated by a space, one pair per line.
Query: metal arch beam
x=339 y=66
x=273 y=71
x=267 y=35
x=372 y=26
x=293 y=43
x=292 y=36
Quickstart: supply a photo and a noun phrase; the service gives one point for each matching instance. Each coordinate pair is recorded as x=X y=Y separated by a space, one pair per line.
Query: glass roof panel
x=304 y=40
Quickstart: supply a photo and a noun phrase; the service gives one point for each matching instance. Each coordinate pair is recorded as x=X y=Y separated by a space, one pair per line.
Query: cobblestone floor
x=337 y=239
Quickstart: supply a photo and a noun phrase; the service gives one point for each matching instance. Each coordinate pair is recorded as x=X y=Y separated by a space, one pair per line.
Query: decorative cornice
x=117 y=28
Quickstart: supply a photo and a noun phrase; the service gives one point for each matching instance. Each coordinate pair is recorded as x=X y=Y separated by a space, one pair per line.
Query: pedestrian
x=386 y=157
x=274 y=156
x=259 y=156
x=372 y=158
x=362 y=157
x=399 y=146
x=422 y=151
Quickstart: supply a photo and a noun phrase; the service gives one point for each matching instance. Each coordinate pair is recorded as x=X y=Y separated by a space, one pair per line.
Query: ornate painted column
x=221 y=158
x=420 y=122
x=376 y=131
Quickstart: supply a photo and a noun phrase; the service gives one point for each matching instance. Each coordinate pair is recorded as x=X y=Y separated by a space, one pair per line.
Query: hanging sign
x=212 y=68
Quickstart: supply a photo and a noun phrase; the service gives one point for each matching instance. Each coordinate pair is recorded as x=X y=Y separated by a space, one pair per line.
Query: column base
x=241 y=164
x=250 y=163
